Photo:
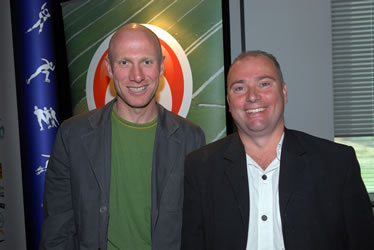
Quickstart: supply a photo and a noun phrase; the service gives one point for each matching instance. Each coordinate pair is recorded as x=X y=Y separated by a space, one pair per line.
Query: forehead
x=253 y=66
x=134 y=41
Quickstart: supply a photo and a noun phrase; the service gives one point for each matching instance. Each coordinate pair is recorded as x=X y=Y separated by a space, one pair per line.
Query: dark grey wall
x=298 y=33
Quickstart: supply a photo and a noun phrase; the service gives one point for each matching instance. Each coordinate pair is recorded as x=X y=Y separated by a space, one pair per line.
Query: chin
x=139 y=105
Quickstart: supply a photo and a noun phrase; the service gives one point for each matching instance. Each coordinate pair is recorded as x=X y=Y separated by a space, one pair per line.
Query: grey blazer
x=76 y=193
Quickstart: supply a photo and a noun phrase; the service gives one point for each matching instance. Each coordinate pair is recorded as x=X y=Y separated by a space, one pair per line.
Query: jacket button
x=102 y=209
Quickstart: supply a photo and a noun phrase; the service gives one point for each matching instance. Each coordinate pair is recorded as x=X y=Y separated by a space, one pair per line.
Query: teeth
x=251 y=111
x=137 y=89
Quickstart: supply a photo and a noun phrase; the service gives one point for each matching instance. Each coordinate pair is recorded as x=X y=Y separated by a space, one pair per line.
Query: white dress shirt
x=265 y=226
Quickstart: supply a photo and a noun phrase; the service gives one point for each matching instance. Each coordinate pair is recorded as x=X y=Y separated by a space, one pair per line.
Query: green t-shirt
x=130 y=185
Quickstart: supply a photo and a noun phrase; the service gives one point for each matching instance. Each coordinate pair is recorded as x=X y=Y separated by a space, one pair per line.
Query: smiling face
x=135 y=65
x=256 y=96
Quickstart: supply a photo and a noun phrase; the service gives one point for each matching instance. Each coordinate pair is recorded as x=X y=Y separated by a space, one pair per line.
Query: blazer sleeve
x=58 y=231
x=358 y=213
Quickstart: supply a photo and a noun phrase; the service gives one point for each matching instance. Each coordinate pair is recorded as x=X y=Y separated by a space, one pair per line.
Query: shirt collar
x=279 y=147
x=271 y=166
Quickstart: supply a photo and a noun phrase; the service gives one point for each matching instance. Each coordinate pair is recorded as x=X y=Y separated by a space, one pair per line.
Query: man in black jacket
x=268 y=187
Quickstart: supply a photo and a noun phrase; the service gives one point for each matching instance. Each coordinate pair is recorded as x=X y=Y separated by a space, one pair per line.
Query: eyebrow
x=265 y=77
x=130 y=59
x=237 y=82
x=257 y=79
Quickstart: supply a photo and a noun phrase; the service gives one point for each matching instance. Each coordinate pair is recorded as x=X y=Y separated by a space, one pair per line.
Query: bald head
x=132 y=30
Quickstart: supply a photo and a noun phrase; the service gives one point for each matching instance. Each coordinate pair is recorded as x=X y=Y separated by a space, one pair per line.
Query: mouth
x=139 y=89
x=253 y=111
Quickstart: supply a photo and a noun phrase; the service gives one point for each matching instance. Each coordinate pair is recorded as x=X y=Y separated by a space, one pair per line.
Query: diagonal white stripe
x=158 y=14
x=89 y=25
x=110 y=32
x=211 y=105
x=203 y=35
x=205 y=84
x=67 y=25
x=74 y=10
x=77 y=78
x=188 y=12
x=190 y=49
x=220 y=134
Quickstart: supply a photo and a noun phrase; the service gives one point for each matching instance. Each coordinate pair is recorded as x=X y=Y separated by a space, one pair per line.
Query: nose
x=136 y=74
x=252 y=95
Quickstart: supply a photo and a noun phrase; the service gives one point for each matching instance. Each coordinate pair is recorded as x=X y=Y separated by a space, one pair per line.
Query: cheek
x=235 y=105
x=152 y=72
x=120 y=75
x=155 y=76
x=238 y=99
x=271 y=97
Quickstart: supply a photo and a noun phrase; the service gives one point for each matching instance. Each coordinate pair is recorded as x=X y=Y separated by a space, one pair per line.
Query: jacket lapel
x=236 y=171
x=167 y=143
x=98 y=146
x=292 y=167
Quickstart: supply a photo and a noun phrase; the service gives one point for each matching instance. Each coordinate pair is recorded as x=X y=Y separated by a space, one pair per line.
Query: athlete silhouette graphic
x=44 y=69
x=43 y=16
x=41 y=117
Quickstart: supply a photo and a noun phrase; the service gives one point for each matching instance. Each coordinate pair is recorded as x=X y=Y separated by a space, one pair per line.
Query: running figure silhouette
x=44 y=69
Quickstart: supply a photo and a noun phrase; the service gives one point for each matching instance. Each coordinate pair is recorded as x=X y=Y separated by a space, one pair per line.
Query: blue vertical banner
x=37 y=68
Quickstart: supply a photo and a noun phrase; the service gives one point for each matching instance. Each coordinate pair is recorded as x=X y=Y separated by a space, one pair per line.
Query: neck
x=137 y=115
x=262 y=149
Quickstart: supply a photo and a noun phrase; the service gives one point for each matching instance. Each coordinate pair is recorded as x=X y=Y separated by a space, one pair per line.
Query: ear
x=108 y=67
x=162 y=66
x=284 y=90
x=228 y=101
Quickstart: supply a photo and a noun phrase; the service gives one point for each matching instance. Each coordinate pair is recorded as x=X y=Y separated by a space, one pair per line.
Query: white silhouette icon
x=44 y=69
x=48 y=116
x=53 y=117
x=42 y=169
x=43 y=16
x=40 y=115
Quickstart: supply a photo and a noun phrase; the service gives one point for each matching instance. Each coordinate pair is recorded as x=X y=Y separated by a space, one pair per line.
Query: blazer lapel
x=166 y=147
x=98 y=148
x=292 y=167
x=236 y=171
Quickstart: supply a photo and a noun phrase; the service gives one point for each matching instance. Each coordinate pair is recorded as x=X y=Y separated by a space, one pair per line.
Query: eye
x=264 y=84
x=123 y=62
x=147 y=62
x=238 y=88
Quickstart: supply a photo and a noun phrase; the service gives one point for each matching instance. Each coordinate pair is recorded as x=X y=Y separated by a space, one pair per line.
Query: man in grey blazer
x=115 y=176
x=268 y=187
